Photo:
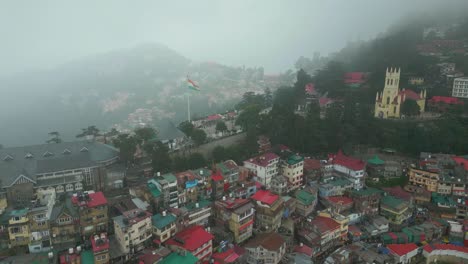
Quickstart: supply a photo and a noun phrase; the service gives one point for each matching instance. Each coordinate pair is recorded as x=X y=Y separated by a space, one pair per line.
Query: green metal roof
x=155 y=192
x=393 y=202
x=160 y=221
x=367 y=191
x=19 y=213
x=376 y=161
x=340 y=182
x=87 y=257
x=444 y=200
x=169 y=177
x=175 y=258
x=305 y=197
x=294 y=159
x=201 y=204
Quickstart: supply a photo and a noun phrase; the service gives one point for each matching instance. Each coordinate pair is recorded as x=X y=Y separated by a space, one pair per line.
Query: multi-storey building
x=18 y=228
x=306 y=201
x=194 y=239
x=351 y=168
x=164 y=226
x=313 y=170
x=266 y=248
x=198 y=213
x=64 y=222
x=269 y=210
x=460 y=87
x=264 y=167
x=321 y=234
x=132 y=229
x=65 y=167
x=279 y=185
x=366 y=201
x=395 y=210
x=237 y=215
x=92 y=211
x=167 y=184
x=39 y=226
x=100 y=247
x=292 y=167
x=218 y=185
x=188 y=186
x=335 y=186
x=427 y=179
x=229 y=170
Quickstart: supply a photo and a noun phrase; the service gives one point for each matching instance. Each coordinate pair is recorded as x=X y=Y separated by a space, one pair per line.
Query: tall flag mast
x=192 y=86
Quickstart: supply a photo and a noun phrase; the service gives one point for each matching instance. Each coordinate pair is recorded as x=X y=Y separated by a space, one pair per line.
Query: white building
x=353 y=169
x=460 y=87
x=132 y=229
x=263 y=167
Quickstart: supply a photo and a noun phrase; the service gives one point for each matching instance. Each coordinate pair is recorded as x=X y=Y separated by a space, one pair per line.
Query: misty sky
x=269 y=33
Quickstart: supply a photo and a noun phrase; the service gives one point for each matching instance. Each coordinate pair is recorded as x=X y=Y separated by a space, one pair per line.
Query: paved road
x=207 y=148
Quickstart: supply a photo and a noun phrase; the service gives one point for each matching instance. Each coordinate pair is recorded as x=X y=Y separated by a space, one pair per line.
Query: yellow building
x=388 y=102
x=18 y=228
x=427 y=179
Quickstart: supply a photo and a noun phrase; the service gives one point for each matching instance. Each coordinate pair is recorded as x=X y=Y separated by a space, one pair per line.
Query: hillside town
x=145 y=197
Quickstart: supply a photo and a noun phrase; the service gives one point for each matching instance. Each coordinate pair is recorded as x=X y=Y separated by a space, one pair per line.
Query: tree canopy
x=410 y=108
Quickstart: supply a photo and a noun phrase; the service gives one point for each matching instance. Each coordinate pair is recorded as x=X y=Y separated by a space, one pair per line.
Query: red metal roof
x=348 y=162
x=323 y=101
x=304 y=250
x=265 y=197
x=398 y=192
x=100 y=243
x=461 y=161
x=310 y=88
x=228 y=256
x=343 y=200
x=214 y=117
x=325 y=224
x=407 y=94
x=263 y=160
x=402 y=249
x=428 y=248
x=354 y=77
x=193 y=237
x=312 y=164
x=446 y=100
x=216 y=176
x=95 y=199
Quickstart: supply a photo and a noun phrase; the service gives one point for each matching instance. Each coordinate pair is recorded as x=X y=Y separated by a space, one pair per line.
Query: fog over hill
x=120 y=88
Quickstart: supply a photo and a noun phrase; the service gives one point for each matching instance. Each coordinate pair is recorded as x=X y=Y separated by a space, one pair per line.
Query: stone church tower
x=389 y=101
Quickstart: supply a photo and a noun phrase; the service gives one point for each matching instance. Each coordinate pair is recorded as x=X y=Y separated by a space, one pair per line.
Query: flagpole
x=188 y=106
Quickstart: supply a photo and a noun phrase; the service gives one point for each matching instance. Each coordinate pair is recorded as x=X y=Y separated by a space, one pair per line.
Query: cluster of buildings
x=276 y=207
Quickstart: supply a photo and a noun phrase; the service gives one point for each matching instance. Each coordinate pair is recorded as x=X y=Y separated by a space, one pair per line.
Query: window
x=69 y=187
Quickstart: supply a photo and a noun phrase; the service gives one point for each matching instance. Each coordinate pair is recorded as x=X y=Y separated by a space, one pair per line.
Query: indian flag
x=192 y=85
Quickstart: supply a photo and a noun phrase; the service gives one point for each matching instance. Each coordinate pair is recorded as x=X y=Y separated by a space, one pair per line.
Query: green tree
x=198 y=136
x=302 y=79
x=268 y=97
x=410 y=108
x=145 y=133
x=219 y=153
x=127 y=145
x=187 y=128
x=196 y=160
x=89 y=131
x=114 y=132
x=160 y=158
x=54 y=137
x=221 y=127
x=248 y=117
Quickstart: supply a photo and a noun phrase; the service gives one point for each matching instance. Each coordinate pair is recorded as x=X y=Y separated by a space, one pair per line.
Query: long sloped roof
x=37 y=159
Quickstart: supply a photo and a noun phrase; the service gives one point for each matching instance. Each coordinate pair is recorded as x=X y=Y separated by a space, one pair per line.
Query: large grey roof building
x=63 y=166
